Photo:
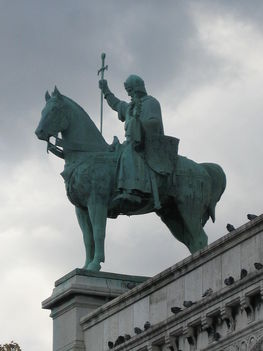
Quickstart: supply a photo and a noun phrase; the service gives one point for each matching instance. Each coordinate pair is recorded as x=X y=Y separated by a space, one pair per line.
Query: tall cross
x=101 y=71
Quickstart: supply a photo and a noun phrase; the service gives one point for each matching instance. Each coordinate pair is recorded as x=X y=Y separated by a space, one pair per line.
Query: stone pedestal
x=76 y=295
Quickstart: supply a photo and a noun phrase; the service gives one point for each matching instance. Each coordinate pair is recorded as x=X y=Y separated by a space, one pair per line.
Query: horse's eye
x=53 y=109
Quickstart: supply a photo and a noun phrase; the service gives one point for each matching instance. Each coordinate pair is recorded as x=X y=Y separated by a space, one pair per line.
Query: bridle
x=54 y=148
x=61 y=146
x=69 y=146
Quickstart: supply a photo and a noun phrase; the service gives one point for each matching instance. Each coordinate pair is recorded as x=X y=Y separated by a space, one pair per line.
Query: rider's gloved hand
x=103 y=85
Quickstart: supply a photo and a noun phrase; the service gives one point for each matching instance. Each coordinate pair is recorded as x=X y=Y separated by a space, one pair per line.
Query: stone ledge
x=105 y=275
x=93 y=284
x=74 y=302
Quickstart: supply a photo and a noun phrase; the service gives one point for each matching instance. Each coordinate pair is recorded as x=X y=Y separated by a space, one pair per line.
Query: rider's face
x=129 y=90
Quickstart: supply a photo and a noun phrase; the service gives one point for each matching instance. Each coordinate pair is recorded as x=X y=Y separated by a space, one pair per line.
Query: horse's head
x=54 y=118
x=79 y=134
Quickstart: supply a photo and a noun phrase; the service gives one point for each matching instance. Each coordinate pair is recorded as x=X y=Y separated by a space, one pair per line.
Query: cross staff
x=101 y=70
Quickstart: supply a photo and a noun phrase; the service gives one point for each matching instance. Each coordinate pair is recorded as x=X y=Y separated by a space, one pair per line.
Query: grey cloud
x=44 y=45
x=248 y=12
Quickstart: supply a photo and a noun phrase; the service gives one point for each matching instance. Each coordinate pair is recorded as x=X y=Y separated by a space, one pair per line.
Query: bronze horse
x=187 y=198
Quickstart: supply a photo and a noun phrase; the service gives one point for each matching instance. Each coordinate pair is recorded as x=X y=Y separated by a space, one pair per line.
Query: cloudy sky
x=203 y=60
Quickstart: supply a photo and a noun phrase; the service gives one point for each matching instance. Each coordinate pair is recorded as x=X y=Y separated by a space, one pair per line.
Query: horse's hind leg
x=187 y=229
x=175 y=224
x=196 y=238
x=86 y=228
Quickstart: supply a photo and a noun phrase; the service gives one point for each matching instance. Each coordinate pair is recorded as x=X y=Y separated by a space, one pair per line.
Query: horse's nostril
x=40 y=134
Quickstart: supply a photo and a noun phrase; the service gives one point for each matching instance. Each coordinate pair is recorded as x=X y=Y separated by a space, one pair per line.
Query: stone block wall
x=230 y=317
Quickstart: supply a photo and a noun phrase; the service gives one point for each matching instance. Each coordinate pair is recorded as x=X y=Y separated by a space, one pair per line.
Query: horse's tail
x=218 y=185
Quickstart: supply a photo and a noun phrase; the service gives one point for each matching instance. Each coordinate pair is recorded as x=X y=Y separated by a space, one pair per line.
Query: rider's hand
x=103 y=85
x=138 y=146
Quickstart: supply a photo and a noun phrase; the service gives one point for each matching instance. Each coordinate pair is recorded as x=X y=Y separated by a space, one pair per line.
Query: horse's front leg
x=87 y=231
x=98 y=218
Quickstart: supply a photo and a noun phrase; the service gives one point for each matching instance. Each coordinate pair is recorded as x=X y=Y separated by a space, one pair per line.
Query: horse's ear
x=47 y=96
x=56 y=93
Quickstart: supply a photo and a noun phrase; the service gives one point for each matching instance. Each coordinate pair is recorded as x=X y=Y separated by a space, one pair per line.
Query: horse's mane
x=75 y=104
x=95 y=137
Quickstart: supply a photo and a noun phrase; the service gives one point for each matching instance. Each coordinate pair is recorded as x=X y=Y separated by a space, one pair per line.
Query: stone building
x=211 y=300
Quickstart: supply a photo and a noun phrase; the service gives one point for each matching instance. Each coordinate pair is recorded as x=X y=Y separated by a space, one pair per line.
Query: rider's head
x=135 y=85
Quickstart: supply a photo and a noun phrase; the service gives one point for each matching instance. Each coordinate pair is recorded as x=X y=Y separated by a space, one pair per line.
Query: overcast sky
x=203 y=60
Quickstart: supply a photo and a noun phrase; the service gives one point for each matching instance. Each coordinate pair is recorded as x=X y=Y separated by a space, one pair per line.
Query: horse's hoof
x=94 y=266
x=87 y=264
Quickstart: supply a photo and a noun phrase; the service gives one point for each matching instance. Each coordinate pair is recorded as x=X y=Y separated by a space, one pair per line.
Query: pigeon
x=131 y=285
x=251 y=216
x=243 y=273
x=258 y=265
x=208 y=292
x=110 y=344
x=230 y=227
x=217 y=336
x=127 y=337
x=137 y=330
x=229 y=281
x=176 y=309
x=147 y=325
x=188 y=303
x=119 y=340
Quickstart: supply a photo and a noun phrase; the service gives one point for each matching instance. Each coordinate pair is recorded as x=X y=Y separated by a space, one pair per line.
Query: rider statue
x=143 y=121
x=144 y=174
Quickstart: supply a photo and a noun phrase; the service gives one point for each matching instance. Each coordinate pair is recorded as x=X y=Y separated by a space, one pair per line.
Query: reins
x=54 y=148
x=69 y=146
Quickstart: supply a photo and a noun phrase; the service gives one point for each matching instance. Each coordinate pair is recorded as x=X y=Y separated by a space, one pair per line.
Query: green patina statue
x=144 y=174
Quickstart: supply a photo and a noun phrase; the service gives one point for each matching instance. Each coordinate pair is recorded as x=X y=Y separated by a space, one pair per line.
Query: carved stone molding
x=246 y=305
x=258 y=346
x=190 y=336
x=172 y=342
x=209 y=325
x=227 y=316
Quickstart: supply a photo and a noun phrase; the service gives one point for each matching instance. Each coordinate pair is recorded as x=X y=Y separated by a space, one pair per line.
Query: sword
x=101 y=71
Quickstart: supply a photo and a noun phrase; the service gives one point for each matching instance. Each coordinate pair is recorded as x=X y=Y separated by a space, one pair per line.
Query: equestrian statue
x=142 y=175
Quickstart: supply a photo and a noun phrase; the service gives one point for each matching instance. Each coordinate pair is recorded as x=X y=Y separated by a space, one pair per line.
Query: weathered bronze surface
x=144 y=174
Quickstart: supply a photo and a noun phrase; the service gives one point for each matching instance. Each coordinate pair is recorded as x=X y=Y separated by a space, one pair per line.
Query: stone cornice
x=105 y=275
x=78 y=289
x=91 y=284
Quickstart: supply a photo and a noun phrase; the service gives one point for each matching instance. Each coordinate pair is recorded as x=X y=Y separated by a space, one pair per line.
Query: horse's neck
x=82 y=137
